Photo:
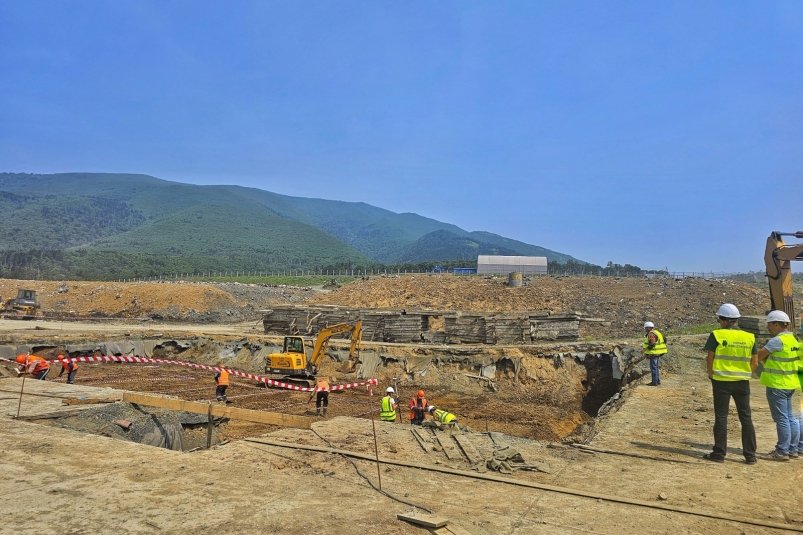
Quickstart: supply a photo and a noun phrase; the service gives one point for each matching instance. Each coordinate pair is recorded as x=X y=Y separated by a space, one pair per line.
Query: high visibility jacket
x=39 y=364
x=733 y=354
x=322 y=385
x=419 y=404
x=69 y=365
x=444 y=417
x=780 y=368
x=222 y=378
x=387 y=412
x=660 y=344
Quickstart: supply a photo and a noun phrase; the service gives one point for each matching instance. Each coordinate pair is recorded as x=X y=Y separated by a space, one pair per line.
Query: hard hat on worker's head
x=421 y=393
x=389 y=390
x=778 y=316
x=20 y=359
x=648 y=325
x=431 y=408
x=61 y=357
x=729 y=311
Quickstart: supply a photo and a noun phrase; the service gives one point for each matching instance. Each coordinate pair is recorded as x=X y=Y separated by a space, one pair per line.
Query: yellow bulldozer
x=300 y=358
x=24 y=306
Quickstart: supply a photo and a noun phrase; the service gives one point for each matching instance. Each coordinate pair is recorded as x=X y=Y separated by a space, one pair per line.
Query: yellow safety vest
x=733 y=354
x=660 y=344
x=780 y=368
x=444 y=417
x=387 y=413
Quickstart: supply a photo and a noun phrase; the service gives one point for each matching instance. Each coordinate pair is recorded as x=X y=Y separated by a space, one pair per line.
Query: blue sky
x=659 y=134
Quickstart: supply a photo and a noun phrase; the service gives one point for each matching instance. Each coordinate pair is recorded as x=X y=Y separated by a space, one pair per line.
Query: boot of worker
x=323 y=412
x=317 y=411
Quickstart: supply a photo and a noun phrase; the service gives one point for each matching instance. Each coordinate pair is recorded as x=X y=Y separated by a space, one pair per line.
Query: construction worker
x=653 y=346
x=222 y=380
x=418 y=408
x=34 y=365
x=442 y=416
x=731 y=359
x=70 y=366
x=387 y=410
x=321 y=396
x=780 y=358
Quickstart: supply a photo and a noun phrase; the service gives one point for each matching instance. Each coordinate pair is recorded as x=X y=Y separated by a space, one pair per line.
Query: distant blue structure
x=464 y=271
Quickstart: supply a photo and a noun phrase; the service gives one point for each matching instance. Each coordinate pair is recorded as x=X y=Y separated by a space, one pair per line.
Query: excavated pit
x=543 y=393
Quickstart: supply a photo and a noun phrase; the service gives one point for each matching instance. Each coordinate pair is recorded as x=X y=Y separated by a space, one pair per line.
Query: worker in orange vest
x=34 y=365
x=418 y=408
x=322 y=396
x=222 y=380
x=70 y=366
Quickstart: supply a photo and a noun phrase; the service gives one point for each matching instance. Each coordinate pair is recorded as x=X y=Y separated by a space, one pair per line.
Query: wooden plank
x=419 y=440
x=87 y=401
x=248 y=415
x=448 y=450
x=424 y=520
x=468 y=449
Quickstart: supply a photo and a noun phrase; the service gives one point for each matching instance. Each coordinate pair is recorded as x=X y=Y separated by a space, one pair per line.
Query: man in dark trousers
x=69 y=366
x=222 y=380
x=730 y=359
x=321 y=396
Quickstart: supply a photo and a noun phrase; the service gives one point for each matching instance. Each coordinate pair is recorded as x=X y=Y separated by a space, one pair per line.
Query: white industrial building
x=535 y=265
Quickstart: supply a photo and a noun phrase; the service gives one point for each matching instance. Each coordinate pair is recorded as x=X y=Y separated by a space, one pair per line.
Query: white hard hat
x=729 y=311
x=430 y=408
x=779 y=316
x=648 y=325
x=389 y=390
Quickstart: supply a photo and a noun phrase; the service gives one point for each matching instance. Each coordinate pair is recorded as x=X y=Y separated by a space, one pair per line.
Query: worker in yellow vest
x=653 y=346
x=442 y=416
x=731 y=359
x=780 y=357
x=387 y=407
x=222 y=380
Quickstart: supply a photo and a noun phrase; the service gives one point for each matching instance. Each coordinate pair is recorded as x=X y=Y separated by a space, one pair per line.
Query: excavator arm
x=327 y=332
x=778 y=258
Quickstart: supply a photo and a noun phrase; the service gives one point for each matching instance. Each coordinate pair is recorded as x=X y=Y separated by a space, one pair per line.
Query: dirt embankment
x=172 y=301
x=624 y=303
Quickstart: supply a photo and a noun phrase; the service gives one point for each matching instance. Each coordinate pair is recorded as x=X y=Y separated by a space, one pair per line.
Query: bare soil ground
x=85 y=483
x=90 y=484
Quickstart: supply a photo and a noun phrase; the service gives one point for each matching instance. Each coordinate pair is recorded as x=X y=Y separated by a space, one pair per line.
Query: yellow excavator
x=777 y=258
x=293 y=362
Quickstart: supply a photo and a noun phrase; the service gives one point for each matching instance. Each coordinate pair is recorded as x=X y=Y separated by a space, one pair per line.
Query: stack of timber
x=755 y=324
x=402 y=326
x=555 y=327
x=465 y=329
x=507 y=329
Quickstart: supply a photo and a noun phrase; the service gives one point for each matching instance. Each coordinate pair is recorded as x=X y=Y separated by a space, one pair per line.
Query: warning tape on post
x=236 y=373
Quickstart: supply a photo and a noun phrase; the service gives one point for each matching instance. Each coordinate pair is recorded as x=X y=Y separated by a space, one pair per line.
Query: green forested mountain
x=116 y=225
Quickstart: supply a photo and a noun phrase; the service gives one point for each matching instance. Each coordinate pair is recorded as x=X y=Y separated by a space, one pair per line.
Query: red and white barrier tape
x=237 y=373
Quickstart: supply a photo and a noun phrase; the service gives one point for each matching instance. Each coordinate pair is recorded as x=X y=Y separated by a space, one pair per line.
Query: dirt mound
x=174 y=300
x=624 y=303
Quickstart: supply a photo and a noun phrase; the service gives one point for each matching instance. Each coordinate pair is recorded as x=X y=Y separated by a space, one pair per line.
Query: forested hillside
x=117 y=225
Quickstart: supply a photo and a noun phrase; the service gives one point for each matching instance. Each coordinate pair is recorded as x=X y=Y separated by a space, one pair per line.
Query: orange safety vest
x=69 y=365
x=414 y=404
x=322 y=385
x=223 y=378
x=41 y=364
